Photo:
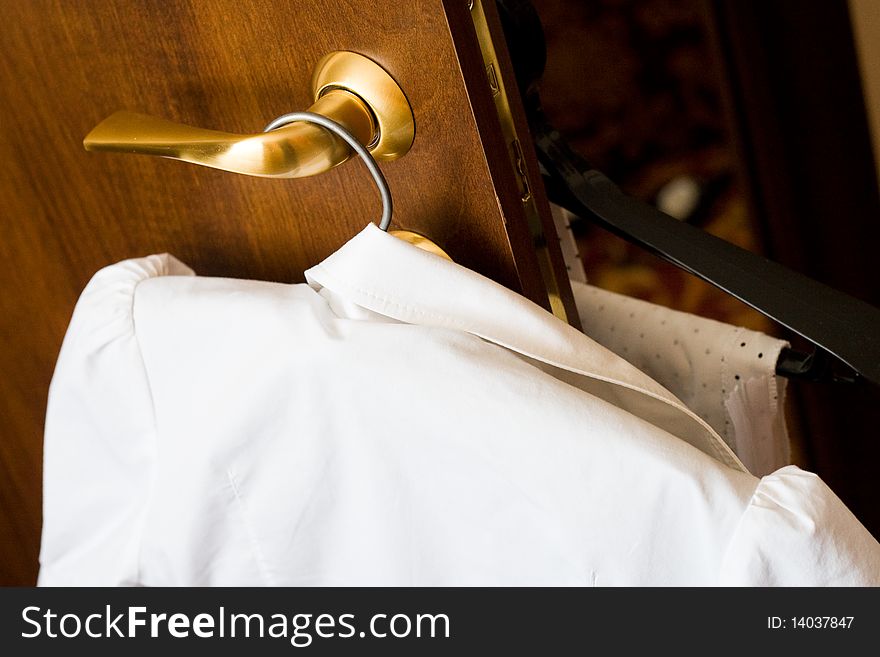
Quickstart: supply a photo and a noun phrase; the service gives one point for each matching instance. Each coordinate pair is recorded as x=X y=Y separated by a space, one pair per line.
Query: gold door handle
x=348 y=88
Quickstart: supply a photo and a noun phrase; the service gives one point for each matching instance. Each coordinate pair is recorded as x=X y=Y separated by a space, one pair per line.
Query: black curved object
x=844 y=330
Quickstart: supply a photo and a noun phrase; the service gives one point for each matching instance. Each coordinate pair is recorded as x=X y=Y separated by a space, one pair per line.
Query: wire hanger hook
x=337 y=129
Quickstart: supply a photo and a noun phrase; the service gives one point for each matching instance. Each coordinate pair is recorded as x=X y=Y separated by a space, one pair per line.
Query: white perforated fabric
x=726 y=374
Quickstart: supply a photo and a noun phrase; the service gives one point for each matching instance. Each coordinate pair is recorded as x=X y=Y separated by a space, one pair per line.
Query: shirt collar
x=385 y=275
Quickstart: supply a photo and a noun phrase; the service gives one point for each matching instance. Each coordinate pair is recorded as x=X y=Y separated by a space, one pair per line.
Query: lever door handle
x=348 y=88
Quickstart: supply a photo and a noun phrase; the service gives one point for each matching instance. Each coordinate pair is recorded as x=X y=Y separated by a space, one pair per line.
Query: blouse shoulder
x=796 y=532
x=99 y=439
x=104 y=309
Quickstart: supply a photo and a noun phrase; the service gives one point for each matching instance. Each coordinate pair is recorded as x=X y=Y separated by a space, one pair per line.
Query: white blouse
x=399 y=420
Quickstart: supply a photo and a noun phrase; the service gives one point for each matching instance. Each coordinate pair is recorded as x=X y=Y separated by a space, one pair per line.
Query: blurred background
x=760 y=122
x=637 y=88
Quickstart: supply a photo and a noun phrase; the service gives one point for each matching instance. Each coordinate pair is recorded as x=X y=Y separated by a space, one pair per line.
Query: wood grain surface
x=230 y=65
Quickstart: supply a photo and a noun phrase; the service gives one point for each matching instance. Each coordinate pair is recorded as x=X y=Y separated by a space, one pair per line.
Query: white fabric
x=726 y=374
x=571 y=256
x=398 y=421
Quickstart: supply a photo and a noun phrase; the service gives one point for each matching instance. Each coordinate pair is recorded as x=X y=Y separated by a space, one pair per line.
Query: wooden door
x=230 y=65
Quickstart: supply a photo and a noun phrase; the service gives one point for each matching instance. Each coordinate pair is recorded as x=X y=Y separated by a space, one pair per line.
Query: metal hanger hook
x=356 y=146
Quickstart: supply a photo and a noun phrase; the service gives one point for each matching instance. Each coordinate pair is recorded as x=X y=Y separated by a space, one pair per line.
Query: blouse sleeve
x=797 y=532
x=99 y=444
